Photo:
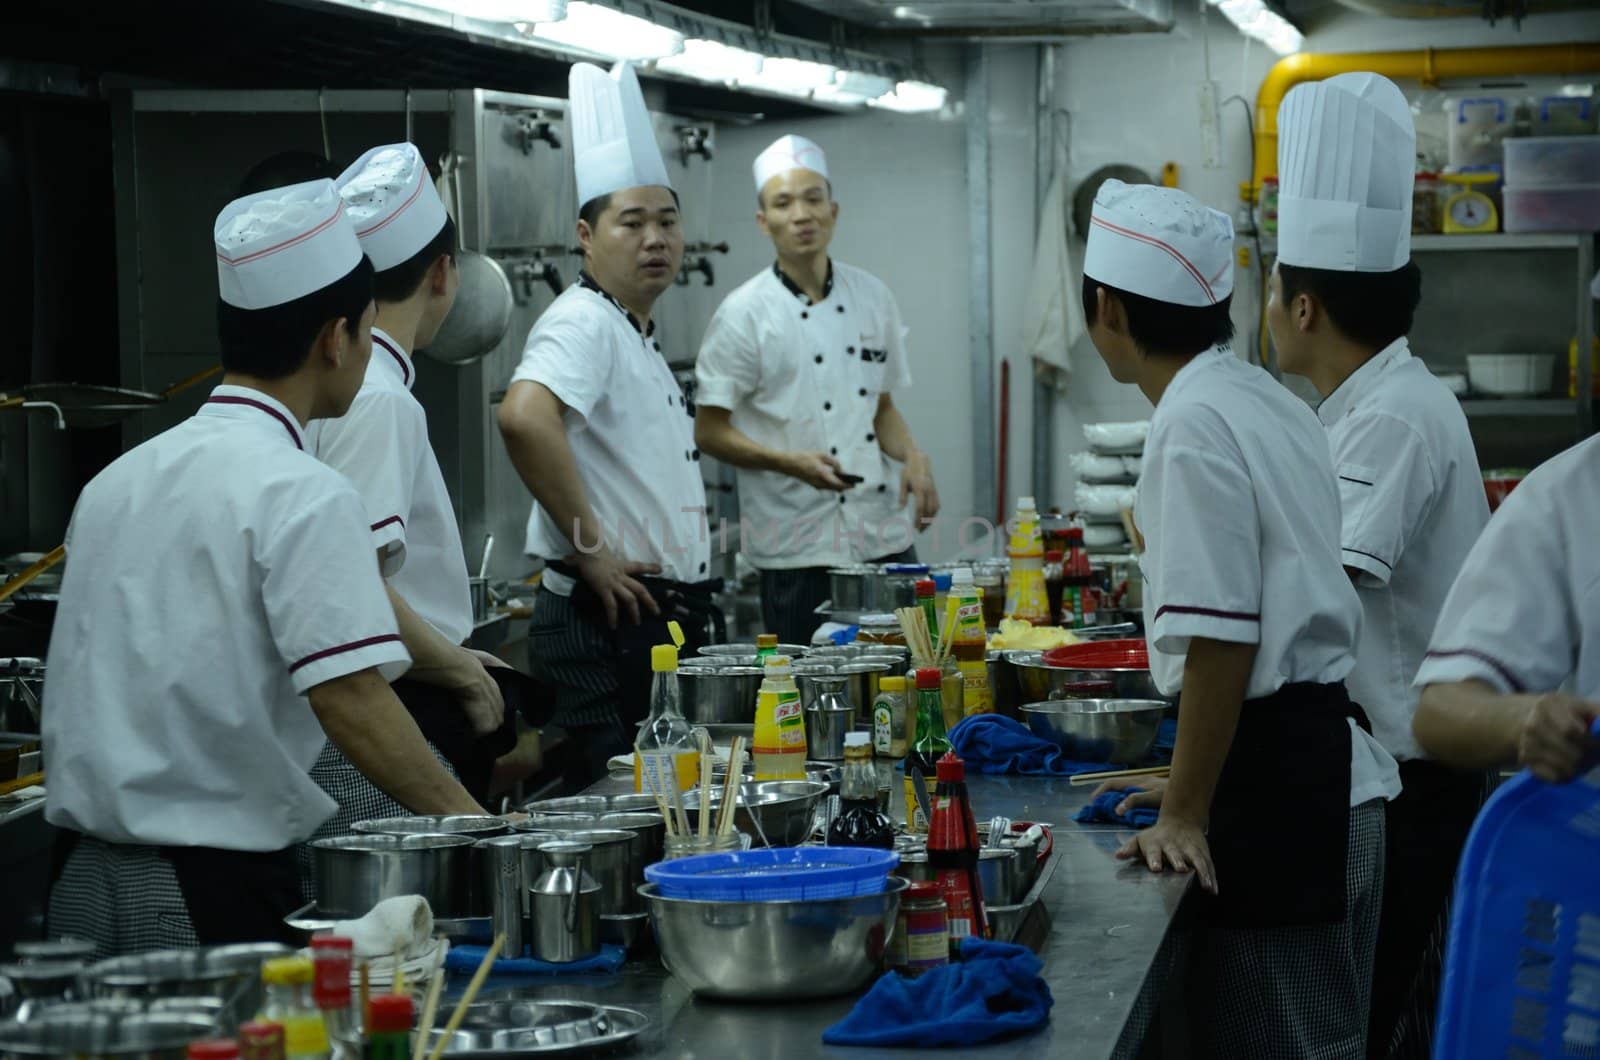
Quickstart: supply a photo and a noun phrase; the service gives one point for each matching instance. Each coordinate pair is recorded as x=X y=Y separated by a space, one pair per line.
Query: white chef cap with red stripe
x=1160 y=243
x=786 y=153
x=282 y=244
x=391 y=200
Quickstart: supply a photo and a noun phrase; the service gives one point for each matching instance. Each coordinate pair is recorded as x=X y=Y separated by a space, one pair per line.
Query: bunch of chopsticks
x=660 y=778
x=928 y=647
x=430 y=1004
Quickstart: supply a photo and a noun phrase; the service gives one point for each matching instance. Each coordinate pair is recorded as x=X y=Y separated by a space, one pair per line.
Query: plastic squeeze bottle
x=1026 y=598
x=970 y=645
x=779 y=744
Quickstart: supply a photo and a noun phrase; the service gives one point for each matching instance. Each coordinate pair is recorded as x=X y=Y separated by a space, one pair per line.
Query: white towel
x=1052 y=314
x=401 y=925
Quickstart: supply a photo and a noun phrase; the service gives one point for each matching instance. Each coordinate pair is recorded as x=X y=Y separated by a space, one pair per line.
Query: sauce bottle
x=953 y=853
x=859 y=823
x=779 y=742
x=288 y=1001
x=970 y=645
x=930 y=743
x=667 y=747
x=1080 y=600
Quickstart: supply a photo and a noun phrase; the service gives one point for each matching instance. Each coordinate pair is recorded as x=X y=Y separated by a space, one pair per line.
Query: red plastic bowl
x=1129 y=654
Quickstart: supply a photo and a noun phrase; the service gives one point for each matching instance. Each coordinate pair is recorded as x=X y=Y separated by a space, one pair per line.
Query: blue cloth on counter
x=994 y=991
x=994 y=743
x=1103 y=810
x=466 y=958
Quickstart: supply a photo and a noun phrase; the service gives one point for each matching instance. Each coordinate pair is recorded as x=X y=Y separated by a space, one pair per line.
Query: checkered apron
x=1297 y=992
x=123 y=898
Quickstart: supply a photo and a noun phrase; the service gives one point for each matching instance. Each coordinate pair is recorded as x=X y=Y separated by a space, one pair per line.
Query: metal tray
x=495 y=1029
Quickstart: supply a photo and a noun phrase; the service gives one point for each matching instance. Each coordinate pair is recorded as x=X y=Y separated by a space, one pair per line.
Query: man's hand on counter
x=1174 y=842
x=917 y=481
x=815 y=469
x=613 y=582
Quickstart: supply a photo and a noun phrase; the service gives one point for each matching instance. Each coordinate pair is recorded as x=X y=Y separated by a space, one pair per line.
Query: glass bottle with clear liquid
x=666 y=743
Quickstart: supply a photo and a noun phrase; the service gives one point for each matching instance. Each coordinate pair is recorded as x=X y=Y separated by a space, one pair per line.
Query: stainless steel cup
x=828 y=718
x=501 y=861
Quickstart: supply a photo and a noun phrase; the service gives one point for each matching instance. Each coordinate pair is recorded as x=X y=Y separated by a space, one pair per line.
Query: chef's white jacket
x=799 y=376
x=1524 y=613
x=1240 y=517
x=631 y=434
x=382 y=446
x=1412 y=504
x=214 y=575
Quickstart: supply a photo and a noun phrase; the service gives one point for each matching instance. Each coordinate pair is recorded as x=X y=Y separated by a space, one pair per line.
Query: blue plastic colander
x=1522 y=968
x=778 y=875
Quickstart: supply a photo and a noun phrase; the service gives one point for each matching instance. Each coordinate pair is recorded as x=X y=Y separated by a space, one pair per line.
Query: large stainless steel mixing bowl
x=728 y=949
x=1039 y=682
x=1119 y=731
x=783 y=809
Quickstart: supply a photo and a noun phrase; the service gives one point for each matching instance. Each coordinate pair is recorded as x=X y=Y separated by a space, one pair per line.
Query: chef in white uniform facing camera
x=1276 y=791
x=381 y=445
x=187 y=699
x=600 y=432
x=1342 y=297
x=796 y=374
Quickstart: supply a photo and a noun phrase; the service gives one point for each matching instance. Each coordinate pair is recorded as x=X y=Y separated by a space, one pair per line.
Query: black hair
x=1163 y=327
x=762 y=205
x=283 y=169
x=589 y=213
x=1370 y=308
x=400 y=282
x=274 y=342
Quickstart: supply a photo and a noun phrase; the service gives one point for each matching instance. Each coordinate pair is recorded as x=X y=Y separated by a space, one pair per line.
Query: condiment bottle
x=779 y=742
x=970 y=645
x=889 y=718
x=331 y=957
x=1025 y=593
x=859 y=823
x=1080 y=600
x=953 y=853
x=922 y=935
x=288 y=1001
x=261 y=1040
x=389 y=1027
x=766 y=645
x=667 y=747
x=926 y=596
x=941 y=593
x=930 y=743
x=213 y=1049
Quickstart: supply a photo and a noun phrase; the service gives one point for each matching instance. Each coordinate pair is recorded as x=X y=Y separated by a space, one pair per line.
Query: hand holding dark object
x=917 y=481
x=1555 y=737
x=818 y=470
x=1153 y=790
x=613 y=584
x=478 y=694
x=1177 y=843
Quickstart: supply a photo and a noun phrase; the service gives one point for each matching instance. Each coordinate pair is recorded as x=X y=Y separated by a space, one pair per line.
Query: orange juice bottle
x=779 y=743
x=666 y=745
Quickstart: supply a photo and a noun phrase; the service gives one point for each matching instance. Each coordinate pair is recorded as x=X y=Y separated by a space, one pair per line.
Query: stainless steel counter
x=1106 y=957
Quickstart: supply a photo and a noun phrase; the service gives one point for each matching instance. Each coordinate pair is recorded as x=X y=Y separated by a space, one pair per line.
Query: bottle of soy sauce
x=860 y=823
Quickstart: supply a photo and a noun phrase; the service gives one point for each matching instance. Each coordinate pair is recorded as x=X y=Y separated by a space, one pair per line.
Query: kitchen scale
x=1468 y=208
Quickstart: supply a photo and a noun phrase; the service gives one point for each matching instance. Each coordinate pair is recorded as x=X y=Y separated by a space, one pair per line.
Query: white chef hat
x=1347 y=155
x=613 y=141
x=1160 y=243
x=390 y=198
x=279 y=245
x=786 y=153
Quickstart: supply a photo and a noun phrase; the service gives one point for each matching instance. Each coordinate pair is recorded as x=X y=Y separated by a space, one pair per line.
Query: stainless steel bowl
x=478 y=826
x=727 y=949
x=229 y=975
x=87 y=1030
x=783 y=809
x=58 y=949
x=353 y=873
x=793 y=651
x=628 y=802
x=1119 y=731
x=1039 y=682
x=719 y=695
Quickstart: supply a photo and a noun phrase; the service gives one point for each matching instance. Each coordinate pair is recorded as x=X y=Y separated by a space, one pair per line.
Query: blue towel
x=994 y=991
x=1103 y=810
x=466 y=958
x=994 y=743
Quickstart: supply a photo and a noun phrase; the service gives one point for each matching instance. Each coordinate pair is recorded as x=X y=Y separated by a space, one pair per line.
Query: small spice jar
x=1426 y=204
x=880 y=629
x=922 y=934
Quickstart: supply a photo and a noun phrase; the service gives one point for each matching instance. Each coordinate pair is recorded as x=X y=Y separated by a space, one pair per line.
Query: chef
x=382 y=446
x=600 y=432
x=1276 y=793
x=1512 y=674
x=1412 y=500
x=187 y=699
x=795 y=375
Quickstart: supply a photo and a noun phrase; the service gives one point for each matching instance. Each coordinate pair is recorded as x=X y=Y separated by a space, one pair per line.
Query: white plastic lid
x=858 y=739
x=1025 y=503
x=961 y=576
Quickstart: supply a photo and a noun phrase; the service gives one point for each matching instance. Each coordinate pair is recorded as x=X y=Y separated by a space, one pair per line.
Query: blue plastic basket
x=778 y=875
x=1522 y=969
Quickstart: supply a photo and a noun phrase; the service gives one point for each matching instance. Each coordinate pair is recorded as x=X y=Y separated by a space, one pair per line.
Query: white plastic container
x=1551 y=161
x=1563 y=115
x=1478 y=123
x=1566 y=208
x=1511 y=374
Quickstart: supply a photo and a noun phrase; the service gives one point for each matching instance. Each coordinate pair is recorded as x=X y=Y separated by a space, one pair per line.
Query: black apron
x=438 y=714
x=690 y=604
x=1280 y=816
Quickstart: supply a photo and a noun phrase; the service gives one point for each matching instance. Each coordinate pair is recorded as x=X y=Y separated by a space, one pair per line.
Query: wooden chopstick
x=707 y=756
x=468 y=997
x=430 y=1004
x=1116 y=774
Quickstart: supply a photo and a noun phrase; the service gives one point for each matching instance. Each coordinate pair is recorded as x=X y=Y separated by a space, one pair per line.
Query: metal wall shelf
x=1502 y=241
x=1517 y=406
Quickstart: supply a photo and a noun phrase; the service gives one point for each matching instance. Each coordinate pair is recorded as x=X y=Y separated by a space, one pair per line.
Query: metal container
x=649 y=840
x=62 y=949
x=85 y=1031
x=478 y=590
x=793 y=651
x=500 y=860
x=1001 y=876
x=1005 y=920
x=354 y=873
x=861 y=686
x=478 y=826
x=42 y=983
x=1004 y=684
x=828 y=718
x=228 y=974
x=780 y=810
x=506 y=1028
x=853 y=588
x=726 y=949
x=563 y=905
x=1119 y=731
x=625 y=803
x=1039 y=682
x=897 y=585
x=610 y=862
x=723 y=695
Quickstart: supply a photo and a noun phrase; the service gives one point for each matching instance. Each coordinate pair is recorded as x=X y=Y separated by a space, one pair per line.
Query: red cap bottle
x=389 y=1014
x=214 y=1049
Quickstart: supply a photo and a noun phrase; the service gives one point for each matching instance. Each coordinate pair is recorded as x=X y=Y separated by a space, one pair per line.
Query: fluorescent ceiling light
x=913 y=97
x=1255 y=20
x=598 y=30
x=501 y=10
x=853 y=89
x=709 y=60
x=791 y=77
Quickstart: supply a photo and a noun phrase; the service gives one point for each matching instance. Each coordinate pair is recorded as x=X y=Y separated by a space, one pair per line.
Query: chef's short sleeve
x=1387 y=487
x=325 y=603
x=377 y=446
x=571 y=360
x=728 y=368
x=1202 y=559
x=1511 y=618
x=897 y=373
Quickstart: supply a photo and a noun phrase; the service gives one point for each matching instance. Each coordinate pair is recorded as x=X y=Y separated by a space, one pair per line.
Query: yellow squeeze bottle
x=779 y=743
x=1026 y=598
x=970 y=644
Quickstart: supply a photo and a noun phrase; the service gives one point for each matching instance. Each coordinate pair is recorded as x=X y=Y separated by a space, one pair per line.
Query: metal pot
x=354 y=873
x=852 y=588
x=719 y=696
x=649 y=838
x=897 y=585
x=229 y=974
x=793 y=651
x=861 y=686
x=481 y=314
x=478 y=826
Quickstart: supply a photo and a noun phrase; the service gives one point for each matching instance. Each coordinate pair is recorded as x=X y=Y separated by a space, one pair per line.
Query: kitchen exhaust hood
x=1015 y=19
